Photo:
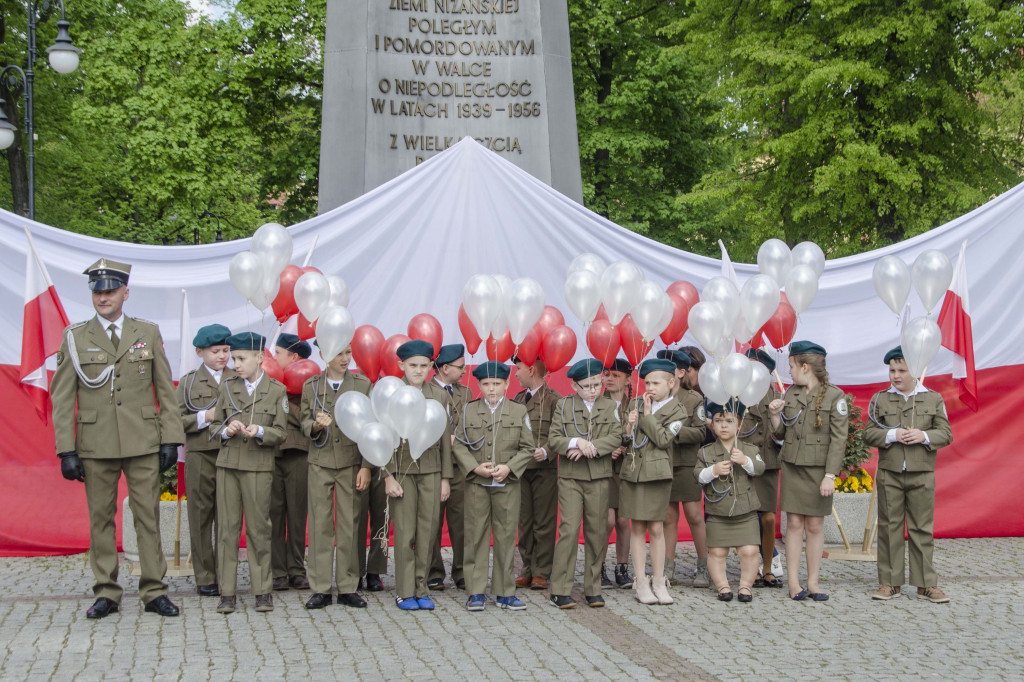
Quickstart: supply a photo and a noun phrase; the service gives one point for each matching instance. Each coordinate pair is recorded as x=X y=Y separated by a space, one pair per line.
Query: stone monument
x=406 y=79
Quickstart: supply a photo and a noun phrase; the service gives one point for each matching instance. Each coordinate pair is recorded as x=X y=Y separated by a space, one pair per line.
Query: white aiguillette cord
x=106 y=375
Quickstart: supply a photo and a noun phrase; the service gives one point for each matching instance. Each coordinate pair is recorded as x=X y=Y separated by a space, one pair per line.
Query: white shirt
x=655 y=406
x=495 y=406
x=118 y=324
x=335 y=385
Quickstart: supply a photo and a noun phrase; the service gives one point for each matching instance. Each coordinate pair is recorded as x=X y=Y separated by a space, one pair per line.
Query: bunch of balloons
x=256 y=273
x=374 y=354
x=734 y=376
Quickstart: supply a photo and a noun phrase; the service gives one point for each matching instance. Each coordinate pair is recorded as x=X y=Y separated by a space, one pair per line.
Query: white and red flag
x=41 y=331
x=955 y=323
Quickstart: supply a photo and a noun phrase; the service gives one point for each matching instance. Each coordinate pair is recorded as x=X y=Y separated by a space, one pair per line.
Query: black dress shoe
x=461 y=583
x=102 y=608
x=595 y=602
x=281 y=583
x=299 y=582
x=562 y=601
x=163 y=606
x=208 y=591
x=374 y=583
x=352 y=599
x=318 y=601
x=435 y=584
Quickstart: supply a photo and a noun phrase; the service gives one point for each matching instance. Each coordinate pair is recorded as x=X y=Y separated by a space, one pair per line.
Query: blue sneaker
x=511 y=603
x=476 y=602
x=425 y=603
x=408 y=604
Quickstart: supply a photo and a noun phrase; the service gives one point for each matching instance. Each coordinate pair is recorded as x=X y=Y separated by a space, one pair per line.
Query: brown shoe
x=264 y=602
x=523 y=581
x=539 y=583
x=885 y=592
x=226 y=605
x=299 y=582
x=932 y=594
x=281 y=583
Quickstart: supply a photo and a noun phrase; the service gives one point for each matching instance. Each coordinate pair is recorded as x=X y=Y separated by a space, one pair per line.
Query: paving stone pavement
x=44 y=634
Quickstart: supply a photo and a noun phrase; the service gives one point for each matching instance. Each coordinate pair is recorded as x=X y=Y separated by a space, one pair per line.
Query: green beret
x=411 y=349
x=648 y=366
x=491 y=370
x=621 y=365
x=805 y=347
x=584 y=369
x=895 y=354
x=107 y=275
x=293 y=343
x=681 y=359
x=247 y=341
x=211 y=335
x=762 y=357
x=449 y=354
x=733 y=406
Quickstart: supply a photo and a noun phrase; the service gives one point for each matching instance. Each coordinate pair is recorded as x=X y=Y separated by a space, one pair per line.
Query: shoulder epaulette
x=76 y=325
x=139 y=319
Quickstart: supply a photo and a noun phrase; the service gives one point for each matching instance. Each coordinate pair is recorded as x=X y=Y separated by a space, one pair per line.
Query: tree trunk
x=16 y=162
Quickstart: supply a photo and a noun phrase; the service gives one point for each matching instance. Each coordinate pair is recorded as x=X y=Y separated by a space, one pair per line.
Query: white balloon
x=723 y=291
x=920 y=342
x=524 y=304
x=741 y=330
x=266 y=293
x=406 y=408
x=583 y=294
x=809 y=253
x=710 y=383
x=339 y=291
x=482 y=300
x=620 y=283
x=353 y=412
x=757 y=388
x=273 y=243
x=435 y=419
x=589 y=262
x=334 y=331
x=759 y=299
x=707 y=323
x=931 y=274
x=500 y=324
x=734 y=373
x=246 y=273
x=377 y=443
x=801 y=287
x=891 y=278
x=312 y=295
x=775 y=259
x=666 y=315
x=381 y=394
x=649 y=310
x=724 y=346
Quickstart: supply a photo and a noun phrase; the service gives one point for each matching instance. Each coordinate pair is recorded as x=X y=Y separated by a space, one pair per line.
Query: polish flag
x=41 y=332
x=955 y=323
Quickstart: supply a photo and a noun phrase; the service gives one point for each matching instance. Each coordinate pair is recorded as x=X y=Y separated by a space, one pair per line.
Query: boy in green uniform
x=250 y=419
x=493 y=446
x=197 y=395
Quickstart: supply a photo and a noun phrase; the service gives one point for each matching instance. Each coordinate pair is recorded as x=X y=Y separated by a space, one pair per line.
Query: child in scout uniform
x=811 y=422
x=288 y=499
x=584 y=432
x=726 y=470
x=415 y=489
x=250 y=419
x=449 y=366
x=336 y=473
x=647 y=477
x=538 y=512
x=493 y=446
x=685 y=490
x=197 y=396
x=620 y=391
x=756 y=430
x=908 y=425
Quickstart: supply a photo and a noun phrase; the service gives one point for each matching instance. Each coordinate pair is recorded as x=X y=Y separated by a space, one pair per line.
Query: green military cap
x=291 y=342
x=733 y=406
x=895 y=354
x=247 y=341
x=490 y=370
x=648 y=366
x=584 y=369
x=762 y=357
x=413 y=348
x=107 y=275
x=681 y=359
x=449 y=353
x=621 y=365
x=806 y=348
x=211 y=335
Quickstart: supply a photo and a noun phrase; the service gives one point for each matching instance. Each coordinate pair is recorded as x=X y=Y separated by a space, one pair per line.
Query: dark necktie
x=529 y=396
x=451 y=391
x=114 y=338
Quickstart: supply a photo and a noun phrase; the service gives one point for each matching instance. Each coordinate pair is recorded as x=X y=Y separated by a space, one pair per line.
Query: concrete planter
x=168 y=519
x=853 y=509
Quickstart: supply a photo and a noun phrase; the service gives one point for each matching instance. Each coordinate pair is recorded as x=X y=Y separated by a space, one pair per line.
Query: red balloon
x=426 y=328
x=558 y=347
x=633 y=344
x=297 y=373
x=469 y=334
x=367 y=342
x=685 y=291
x=781 y=326
x=603 y=341
x=271 y=367
x=601 y=314
x=679 y=323
x=502 y=349
x=306 y=330
x=757 y=341
x=529 y=349
x=389 y=355
x=284 y=303
x=549 y=319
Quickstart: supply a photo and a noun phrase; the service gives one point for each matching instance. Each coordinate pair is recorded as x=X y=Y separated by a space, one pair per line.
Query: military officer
x=114 y=411
x=197 y=396
x=908 y=425
x=538 y=513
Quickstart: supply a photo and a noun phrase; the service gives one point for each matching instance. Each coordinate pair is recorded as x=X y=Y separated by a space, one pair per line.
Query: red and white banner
x=957 y=335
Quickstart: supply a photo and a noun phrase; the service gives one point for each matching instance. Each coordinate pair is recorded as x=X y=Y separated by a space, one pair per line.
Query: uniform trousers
x=491 y=510
x=288 y=507
x=414 y=516
x=586 y=503
x=907 y=499
x=244 y=494
x=201 y=498
x=333 y=509
x=538 y=517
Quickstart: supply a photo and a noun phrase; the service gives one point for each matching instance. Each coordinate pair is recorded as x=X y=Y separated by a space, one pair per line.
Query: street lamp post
x=63 y=57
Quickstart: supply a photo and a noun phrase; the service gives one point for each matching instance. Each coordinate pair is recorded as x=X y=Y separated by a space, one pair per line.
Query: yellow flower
x=854 y=483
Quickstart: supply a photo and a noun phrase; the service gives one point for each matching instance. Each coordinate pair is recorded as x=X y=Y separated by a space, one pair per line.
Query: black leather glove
x=71 y=466
x=168 y=456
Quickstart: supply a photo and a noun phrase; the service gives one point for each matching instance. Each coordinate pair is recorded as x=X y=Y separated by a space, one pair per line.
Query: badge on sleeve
x=60 y=359
x=674 y=427
x=526 y=423
x=841 y=406
x=700 y=414
x=284 y=404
